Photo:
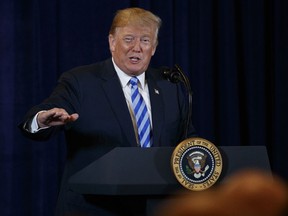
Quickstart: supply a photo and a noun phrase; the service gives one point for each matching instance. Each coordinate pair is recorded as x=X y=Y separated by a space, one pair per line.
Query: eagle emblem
x=197 y=162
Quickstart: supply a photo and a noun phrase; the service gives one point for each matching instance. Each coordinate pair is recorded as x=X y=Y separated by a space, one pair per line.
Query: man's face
x=132 y=48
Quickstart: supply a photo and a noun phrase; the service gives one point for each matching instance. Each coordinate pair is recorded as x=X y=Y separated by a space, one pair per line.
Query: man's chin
x=135 y=71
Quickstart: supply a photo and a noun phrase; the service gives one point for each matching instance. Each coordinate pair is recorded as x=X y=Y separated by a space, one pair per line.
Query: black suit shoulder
x=100 y=69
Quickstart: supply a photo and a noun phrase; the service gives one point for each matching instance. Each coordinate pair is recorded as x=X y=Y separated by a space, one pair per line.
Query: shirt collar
x=124 y=78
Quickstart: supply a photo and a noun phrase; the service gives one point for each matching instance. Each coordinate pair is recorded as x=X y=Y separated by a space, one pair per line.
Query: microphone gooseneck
x=176 y=75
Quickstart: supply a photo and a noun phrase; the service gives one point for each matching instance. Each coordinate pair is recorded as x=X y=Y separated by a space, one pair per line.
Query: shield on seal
x=196 y=161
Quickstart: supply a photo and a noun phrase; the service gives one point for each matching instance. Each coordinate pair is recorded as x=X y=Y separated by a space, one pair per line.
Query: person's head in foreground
x=247 y=193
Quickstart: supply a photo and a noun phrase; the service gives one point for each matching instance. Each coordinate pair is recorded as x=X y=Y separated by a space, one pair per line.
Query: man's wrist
x=35 y=126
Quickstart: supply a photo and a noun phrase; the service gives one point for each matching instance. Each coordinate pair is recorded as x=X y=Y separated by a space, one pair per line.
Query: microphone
x=173 y=75
x=176 y=75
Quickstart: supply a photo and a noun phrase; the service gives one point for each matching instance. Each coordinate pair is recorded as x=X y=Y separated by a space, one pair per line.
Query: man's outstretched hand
x=55 y=117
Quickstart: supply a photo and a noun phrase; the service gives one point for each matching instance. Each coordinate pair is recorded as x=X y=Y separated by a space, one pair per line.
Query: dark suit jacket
x=95 y=93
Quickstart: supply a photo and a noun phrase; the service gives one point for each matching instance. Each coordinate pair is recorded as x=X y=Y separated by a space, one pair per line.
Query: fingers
x=73 y=117
x=70 y=118
x=54 y=117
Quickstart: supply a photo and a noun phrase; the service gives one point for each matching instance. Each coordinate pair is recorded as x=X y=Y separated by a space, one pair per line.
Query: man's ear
x=154 y=49
x=111 y=42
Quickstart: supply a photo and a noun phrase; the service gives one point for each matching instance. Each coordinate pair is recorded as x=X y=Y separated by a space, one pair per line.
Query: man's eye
x=128 y=39
x=146 y=40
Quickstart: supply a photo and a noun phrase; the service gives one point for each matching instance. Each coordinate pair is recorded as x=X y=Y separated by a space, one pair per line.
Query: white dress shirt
x=126 y=87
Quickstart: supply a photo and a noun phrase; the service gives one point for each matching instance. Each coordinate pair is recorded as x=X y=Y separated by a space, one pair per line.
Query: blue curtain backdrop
x=235 y=54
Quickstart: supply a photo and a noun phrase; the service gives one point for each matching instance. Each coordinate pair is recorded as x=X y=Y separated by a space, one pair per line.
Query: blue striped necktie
x=141 y=114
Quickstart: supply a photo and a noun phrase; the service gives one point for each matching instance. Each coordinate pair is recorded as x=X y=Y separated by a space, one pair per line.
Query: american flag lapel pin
x=156 y=91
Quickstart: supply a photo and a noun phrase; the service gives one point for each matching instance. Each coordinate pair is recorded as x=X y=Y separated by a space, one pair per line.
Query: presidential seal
x=196 y=163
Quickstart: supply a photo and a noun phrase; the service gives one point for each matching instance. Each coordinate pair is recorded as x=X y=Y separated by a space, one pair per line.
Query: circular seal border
x=197 y=144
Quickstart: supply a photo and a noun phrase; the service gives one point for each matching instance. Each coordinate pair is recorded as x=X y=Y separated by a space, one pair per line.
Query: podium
x=147 y=172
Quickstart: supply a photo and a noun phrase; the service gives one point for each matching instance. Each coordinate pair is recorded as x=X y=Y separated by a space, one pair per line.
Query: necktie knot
x=134 y=81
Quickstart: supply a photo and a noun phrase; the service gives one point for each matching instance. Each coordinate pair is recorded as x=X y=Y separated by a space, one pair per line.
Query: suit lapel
x=157 y=107
x=113 y=90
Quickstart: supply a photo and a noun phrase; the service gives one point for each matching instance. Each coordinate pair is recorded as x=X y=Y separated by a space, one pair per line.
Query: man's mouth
x=135 y=59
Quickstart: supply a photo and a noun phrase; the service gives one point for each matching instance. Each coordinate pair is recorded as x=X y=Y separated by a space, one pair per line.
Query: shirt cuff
x=34 y=124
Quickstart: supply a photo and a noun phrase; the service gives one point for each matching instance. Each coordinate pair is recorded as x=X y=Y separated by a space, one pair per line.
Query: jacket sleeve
x=65 y=95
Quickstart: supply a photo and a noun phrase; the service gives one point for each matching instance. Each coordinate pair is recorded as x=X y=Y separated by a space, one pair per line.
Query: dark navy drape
x=235 y=54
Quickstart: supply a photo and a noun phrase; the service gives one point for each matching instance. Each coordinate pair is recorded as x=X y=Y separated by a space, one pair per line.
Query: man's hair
x=135 y=16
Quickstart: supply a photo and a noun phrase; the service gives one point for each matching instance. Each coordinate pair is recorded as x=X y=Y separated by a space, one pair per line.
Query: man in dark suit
x=93 y=105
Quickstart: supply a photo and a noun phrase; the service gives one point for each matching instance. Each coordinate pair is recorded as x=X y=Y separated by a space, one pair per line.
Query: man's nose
x=137 y=45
